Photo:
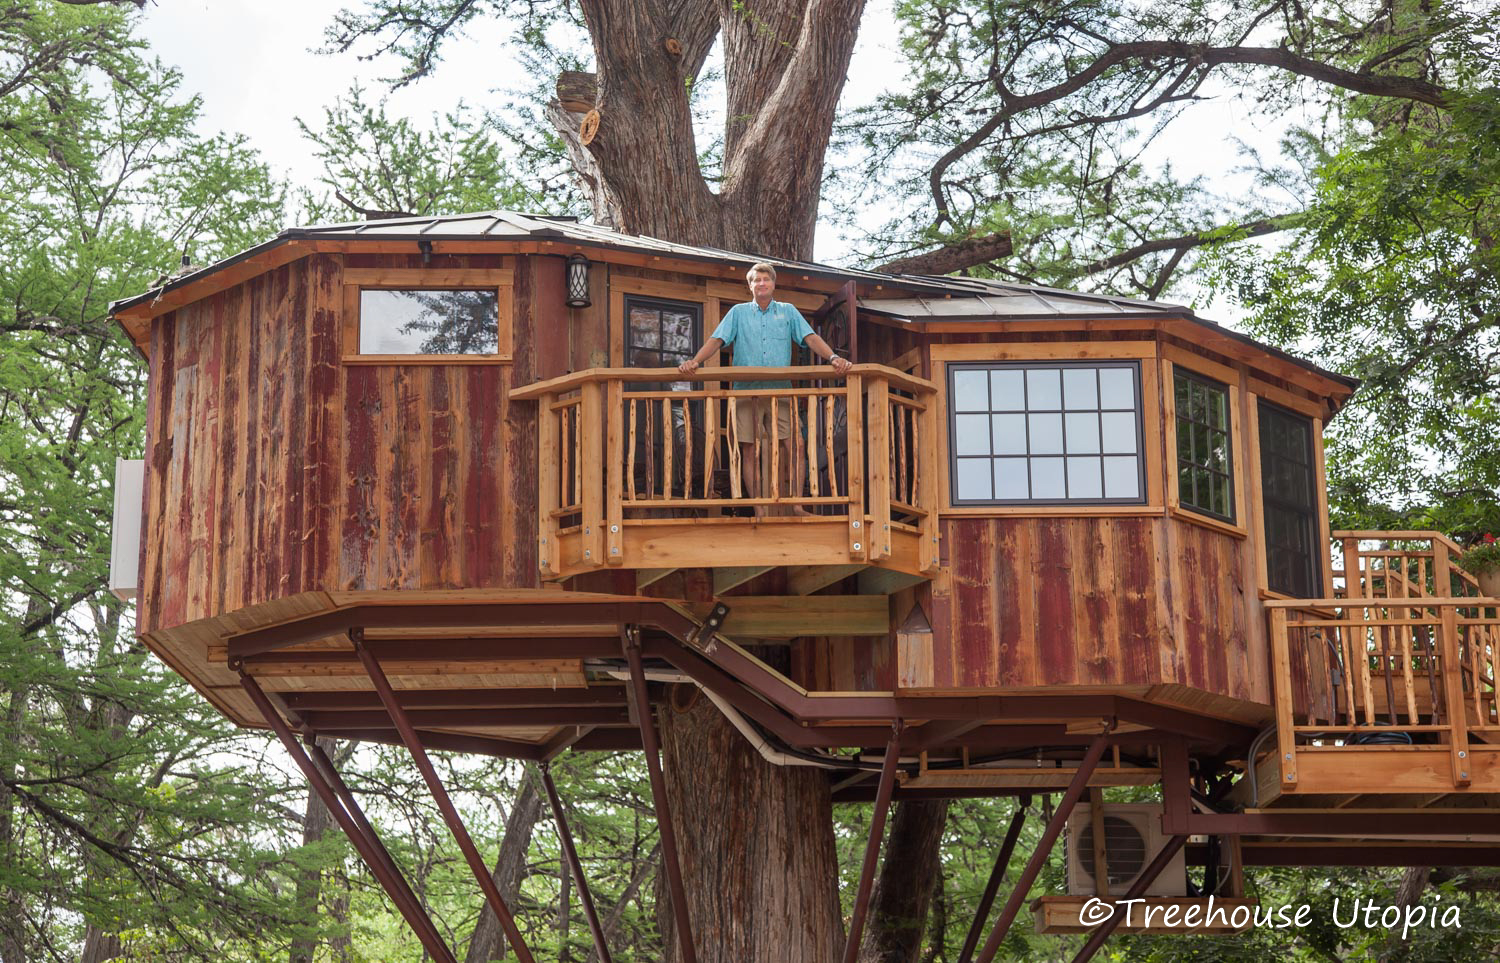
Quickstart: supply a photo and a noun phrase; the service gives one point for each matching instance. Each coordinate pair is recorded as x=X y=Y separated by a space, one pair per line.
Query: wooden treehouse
x=439 y=483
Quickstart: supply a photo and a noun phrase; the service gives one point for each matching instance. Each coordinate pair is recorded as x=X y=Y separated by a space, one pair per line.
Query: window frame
x=695 y=308
x=1214 y=375
x=1141 y=501
x=1318 y=562
x=358 y=280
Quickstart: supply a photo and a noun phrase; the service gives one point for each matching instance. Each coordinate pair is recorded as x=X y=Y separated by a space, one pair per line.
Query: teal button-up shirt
x=763 y=339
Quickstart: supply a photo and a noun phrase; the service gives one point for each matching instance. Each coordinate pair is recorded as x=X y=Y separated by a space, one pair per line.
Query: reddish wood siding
x=276 y=469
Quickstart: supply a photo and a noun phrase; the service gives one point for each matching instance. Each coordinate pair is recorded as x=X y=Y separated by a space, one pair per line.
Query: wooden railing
x=1404 y=655
x=621 y=448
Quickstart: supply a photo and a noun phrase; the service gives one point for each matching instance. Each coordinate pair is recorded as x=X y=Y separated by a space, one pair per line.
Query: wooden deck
x=633 y=474
x=1388 y=688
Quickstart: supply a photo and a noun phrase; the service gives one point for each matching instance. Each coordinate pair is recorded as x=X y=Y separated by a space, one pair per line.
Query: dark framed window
x=660 y=334
x=1289 y=498
x=429 y=321
x=1046 y=433
x=1205 y=453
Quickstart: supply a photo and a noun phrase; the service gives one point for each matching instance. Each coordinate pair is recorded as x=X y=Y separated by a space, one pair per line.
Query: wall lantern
x=578 y=281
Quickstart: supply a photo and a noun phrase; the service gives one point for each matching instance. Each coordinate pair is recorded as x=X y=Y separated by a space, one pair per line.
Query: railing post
x=855 y=411
x=590 y=441
x=1442 y=569
x=548 y=497
x=927 y=484
x=1453 y=695
x=614 y=467
x=1354 y=587
x=878 y=454
x=1281 y=696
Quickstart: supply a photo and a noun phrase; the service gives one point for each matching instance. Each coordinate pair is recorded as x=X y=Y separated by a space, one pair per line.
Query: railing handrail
x=577 y=379
x=1402 y=535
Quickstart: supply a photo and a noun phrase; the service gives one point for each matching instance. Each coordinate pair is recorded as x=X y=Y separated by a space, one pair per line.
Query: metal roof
x=952 y=298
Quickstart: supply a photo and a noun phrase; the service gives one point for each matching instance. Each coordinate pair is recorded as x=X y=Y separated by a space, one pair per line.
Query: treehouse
x=440 y=483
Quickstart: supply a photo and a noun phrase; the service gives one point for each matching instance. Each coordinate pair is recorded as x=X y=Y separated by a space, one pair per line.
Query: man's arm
x=710 y=348
x=821 y=350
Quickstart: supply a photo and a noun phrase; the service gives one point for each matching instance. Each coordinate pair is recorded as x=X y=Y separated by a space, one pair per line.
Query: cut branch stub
x=673 y=46
x=954 y=256
x=589 y=127
x=577 y=90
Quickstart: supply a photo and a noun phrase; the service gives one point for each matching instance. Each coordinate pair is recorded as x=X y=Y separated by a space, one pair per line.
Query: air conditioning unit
x=1132 y=838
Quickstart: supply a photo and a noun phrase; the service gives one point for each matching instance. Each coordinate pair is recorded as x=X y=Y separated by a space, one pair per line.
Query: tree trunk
x=908 y=879
x=12 y=945
x=487 y=943
x=756 y=841
x=756 y=846
x=316 y=821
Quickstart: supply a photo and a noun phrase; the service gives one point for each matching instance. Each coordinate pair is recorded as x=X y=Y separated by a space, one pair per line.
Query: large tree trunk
x=488 y=940
x=908 y=879
x=316 y=820
x=756 y=846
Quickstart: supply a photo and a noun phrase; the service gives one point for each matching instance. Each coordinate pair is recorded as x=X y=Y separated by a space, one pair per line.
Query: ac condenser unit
x=1132 y=838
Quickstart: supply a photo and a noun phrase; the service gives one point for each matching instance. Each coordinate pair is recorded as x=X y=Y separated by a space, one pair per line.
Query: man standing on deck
x=762 y=332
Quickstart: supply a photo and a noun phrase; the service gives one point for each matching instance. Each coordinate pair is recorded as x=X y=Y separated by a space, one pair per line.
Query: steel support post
x=374 y=855
x=1076 y=789
x=872 y=846
x=351 y=805
x=574 y=865
x=997 y=876
x=440 y=796
x=1137 y=889
x=631 y=640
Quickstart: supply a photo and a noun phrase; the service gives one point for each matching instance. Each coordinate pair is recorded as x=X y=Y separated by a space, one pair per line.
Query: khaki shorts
x=752 y=419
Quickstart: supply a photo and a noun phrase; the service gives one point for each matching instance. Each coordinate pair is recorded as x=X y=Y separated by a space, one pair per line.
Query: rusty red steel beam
x=631 y=643
x=506 y=649
x=335 y=700
x=1034 y=865
x=1366 y=853
x=373 y=854
x=997 y=876
x=1137 y=889
x=440 y=796
x=449 y=742
x=325 y=721
x=872 y=845
x=575 y=866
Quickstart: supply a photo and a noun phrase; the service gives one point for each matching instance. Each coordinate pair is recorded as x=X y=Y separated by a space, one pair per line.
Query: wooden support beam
x=885 y=581
x=790 y=616
x=730 y=578
x=650 y=576
x=807 y=579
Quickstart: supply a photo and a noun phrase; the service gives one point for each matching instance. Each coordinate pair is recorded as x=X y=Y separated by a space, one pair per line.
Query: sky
x=254 y=62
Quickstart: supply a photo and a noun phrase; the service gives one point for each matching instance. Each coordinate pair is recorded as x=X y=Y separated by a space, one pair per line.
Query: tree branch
x=953 y=257
x=1184 y=242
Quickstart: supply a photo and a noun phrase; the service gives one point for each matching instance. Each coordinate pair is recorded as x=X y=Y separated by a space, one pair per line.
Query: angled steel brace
x=631 y=640
x=1137 y=889
x=368 y=847
x=997 y=876
x=440 y=796
x=1054 y=828
x=574 y=866
x=872 y=846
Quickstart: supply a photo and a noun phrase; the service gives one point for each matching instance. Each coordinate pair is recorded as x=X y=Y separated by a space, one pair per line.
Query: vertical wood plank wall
x=274 y=468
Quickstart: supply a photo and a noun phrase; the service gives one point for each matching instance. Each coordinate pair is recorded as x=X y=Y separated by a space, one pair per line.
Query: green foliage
x=377 y=165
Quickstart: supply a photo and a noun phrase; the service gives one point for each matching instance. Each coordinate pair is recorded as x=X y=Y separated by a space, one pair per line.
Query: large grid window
x=1205 y=463
x=1287 y=483
x=1046 y=433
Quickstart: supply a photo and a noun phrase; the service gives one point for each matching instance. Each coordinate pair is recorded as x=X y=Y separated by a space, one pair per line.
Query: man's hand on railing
x=689 y=366
x=841 y=365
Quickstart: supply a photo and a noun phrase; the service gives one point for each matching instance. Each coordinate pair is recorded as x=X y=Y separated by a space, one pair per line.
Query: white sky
x=254 y=65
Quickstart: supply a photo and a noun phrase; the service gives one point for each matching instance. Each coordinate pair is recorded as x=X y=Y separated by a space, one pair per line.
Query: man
x=762 y=332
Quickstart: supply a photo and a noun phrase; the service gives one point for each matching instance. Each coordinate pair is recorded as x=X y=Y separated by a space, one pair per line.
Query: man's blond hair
x=761 y=267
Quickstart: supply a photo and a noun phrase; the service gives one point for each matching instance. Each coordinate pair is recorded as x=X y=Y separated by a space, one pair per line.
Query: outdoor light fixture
x=578 y=281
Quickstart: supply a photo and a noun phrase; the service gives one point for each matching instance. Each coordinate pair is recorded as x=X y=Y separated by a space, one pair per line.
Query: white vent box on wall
x=125 y=538
x=1132 y=838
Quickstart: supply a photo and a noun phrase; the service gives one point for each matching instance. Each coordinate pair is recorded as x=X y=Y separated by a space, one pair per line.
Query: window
x=1205 y=461
x=660 y=334
x=429 y=321
x=1287 y=482
x=1046 y=433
